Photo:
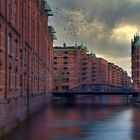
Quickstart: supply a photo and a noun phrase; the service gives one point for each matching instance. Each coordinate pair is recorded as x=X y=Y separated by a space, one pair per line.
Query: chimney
x=64 y=45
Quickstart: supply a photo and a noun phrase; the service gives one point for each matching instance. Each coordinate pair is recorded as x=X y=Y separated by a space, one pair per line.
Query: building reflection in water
x=136 y=123
x=84 y=122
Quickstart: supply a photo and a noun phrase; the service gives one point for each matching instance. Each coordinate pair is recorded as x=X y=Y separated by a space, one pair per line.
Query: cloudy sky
x=106 y=27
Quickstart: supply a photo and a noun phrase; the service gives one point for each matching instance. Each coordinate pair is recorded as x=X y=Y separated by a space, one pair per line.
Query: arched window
x=9 y=10
x=15 y=13
x=1 y=75
x=16 y=48
x=1 y=36
x=16 y=77
x=10 y=77
x=9 y=46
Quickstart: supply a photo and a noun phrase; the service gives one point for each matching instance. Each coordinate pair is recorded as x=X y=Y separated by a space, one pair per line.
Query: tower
x=135 y=61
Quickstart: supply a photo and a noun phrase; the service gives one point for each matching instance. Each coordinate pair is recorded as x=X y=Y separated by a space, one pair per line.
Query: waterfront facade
x=118 y=77
x=69 y=70
x=26 y=59
x=101 y=72
x=135 y=59
x=26 y=48
x=84 y=68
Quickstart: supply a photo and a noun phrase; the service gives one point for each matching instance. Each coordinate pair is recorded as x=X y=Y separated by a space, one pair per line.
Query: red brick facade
x=26 y=48
x=135 y=58
x=85 y=68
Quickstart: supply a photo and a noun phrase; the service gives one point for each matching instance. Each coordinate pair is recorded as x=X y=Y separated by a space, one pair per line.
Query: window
x=1 y=6
x=66 y=80
x=55 y=52
x=65 y=63
x=137 y=73
x=55 y=68
x=65 y=68
x=65 y=87
x=65 y=57
x=65 y=52
x=84 y=73
x=10 y=77
x=55 y=57
x=1 y=38
x=16 y=49
x=56 y=88
x=137 y=64
x=10 y=10
x=9 y=44
x=24 y=82
x=16 y=75
x=67 y=73
x=55 y=63
x=25 y=55
x=15 y=13
x=1 y=75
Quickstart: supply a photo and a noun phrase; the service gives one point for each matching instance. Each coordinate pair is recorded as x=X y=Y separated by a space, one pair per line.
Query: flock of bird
x=73 y=25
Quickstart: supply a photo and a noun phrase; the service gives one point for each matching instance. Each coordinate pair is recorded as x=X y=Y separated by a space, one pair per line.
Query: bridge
x=97 y=93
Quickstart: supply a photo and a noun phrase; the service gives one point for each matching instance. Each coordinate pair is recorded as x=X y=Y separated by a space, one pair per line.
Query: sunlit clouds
x=105 y=27
x=124 y=32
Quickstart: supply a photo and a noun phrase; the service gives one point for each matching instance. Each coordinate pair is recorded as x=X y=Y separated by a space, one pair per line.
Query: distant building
x=91 y=71
x=118 y=77
x=101 y=71
x=135 y=59
x=70 y=67
x=75 y=67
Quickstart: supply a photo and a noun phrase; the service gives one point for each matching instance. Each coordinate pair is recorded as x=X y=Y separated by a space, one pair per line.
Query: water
x=82 y=122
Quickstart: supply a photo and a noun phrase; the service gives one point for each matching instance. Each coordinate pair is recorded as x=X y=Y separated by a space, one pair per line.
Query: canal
x=82 y=122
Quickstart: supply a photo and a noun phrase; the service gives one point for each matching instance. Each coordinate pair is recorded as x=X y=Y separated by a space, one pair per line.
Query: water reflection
x=82 y=123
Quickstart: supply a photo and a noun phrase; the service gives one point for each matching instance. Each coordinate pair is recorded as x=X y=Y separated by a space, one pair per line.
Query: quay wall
x=15 y=110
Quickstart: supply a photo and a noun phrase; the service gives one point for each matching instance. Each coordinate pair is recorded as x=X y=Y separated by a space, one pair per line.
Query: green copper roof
x=47 y=8
x=52 y=30
x=54 y=37
x=137 y=43
x=82 y=46
x=65 y=48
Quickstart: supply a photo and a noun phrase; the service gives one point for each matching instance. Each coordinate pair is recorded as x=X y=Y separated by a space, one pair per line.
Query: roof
x=52 y=30
x=65 y=48
x=47 y=8
x=90 y=53
x=136 y=42
x=81 y=47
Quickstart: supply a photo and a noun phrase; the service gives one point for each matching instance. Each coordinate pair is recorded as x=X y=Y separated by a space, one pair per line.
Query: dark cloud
x=99 y=19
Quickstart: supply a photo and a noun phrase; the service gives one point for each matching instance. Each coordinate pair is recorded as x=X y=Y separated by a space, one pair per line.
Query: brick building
x=101 y=71
x=84 y=68
x=135 y=59
x=26 y=59
x=91 y=68
x=26 y=47
x=118 y=77
x=70 y=67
